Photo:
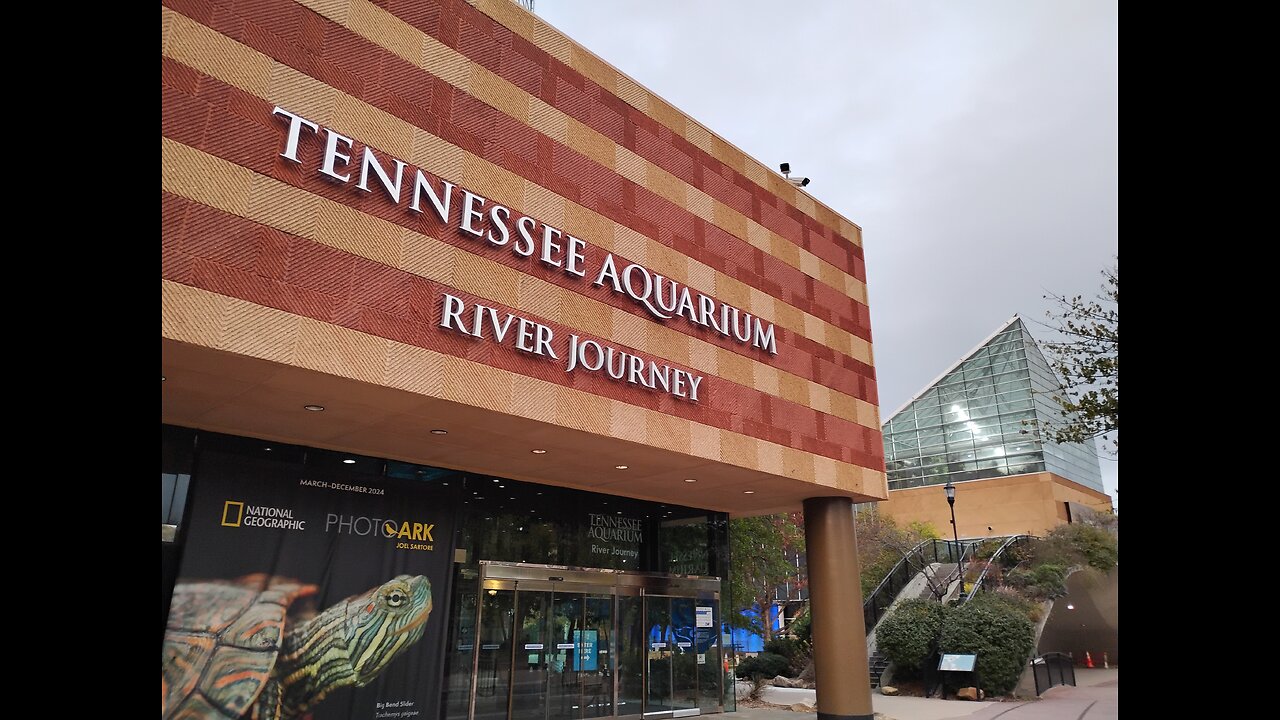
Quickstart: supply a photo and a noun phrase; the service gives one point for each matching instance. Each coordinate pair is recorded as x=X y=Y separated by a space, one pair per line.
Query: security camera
x=786 y=173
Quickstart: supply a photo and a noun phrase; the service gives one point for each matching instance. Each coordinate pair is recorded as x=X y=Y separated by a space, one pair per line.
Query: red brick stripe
x=482 y=39
x=279 y=28
x=239 y=127
x=206 y=248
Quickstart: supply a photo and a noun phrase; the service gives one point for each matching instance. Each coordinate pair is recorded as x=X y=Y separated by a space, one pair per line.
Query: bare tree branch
x=1088 y=361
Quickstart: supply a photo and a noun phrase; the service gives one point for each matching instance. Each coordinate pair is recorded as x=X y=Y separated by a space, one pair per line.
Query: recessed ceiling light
x=620 y=467
x=313 y=408
x=691 y=479
x=438 y=431
x=748 y=492
x=267 y=449
x=349 y=461
x=538 y=451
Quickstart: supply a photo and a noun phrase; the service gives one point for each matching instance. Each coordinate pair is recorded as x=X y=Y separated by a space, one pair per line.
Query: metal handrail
x=905 y=556
x=1045 y=665
x=983 y=575
x=874 y=607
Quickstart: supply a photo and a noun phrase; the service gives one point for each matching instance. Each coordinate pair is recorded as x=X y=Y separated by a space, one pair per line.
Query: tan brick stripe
x=421 y=50
x=206 y=319
x=200 y=47
x=240 y=132
x=217 y=183
x=560 y=47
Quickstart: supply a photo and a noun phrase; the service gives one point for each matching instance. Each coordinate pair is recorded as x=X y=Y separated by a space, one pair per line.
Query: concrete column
x=835 y=601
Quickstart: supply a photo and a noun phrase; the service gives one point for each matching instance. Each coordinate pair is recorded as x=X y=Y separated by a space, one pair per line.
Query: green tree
x=1087 y=358
x=882 y=543
x=760 y=548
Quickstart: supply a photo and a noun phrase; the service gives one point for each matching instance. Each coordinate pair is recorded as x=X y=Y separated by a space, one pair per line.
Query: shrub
x=995 y=573
x=765 y=664
x=1041 y=582
x=793 y=650
x=1001 y=636
x=1079 y=544
x=1016 y=553
x=909 y=635
x=786 y=647
x=1008 y=598
x=987 y=548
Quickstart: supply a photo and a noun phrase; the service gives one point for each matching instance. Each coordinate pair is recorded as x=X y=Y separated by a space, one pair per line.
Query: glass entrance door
x=549 y=649
x=544 y=655
x=677 y=652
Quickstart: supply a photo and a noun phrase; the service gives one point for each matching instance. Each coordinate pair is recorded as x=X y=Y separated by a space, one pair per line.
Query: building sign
x=614 y=537
x=532 y=337
x=326 y=594
x=703 y=615
x=585 y=660
x=498 y=227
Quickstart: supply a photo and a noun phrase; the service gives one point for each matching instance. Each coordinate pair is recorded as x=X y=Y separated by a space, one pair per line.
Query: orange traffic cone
x=1088 y=659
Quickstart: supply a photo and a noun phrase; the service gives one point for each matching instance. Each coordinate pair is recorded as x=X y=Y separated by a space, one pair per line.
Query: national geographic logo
x=408 y=535
x=236 y=514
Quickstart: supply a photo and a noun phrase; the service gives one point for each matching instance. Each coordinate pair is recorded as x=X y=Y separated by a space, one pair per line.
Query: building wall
x=266 y=258
x=1030 y=504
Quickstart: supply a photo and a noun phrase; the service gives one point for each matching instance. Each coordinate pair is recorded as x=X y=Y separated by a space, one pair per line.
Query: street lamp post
x=955 y=532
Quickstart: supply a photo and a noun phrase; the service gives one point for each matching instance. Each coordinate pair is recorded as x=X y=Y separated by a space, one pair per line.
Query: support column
x=835 y=603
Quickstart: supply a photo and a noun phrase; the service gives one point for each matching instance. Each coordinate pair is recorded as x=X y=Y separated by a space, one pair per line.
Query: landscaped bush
x=909 y=635
x=987 y=548
x=796 y=653
x=766 y=664
x=1000 y=635
x=995 y=573
x=1016 y=554
x=1078 y=544
x=1011 y=599
x=786 y=647
x=1040 y=582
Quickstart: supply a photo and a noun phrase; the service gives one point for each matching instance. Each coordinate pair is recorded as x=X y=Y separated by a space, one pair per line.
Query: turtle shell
x=221 y=642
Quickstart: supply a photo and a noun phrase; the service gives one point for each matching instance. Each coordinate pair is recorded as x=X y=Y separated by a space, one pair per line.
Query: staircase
x=877 y=664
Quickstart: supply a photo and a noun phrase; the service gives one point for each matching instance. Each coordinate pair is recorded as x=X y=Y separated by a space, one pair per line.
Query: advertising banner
x=303 y=594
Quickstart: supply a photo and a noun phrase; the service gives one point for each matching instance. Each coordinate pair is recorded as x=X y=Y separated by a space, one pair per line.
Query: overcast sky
x=975 y=142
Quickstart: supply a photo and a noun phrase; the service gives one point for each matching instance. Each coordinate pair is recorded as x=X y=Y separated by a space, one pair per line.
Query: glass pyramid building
x=979 y=420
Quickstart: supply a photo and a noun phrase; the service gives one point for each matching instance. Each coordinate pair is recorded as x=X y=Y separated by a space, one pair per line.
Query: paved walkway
x=1095 y=697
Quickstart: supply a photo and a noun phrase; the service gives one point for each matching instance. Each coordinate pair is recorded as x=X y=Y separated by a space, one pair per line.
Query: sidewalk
x=1095 y=697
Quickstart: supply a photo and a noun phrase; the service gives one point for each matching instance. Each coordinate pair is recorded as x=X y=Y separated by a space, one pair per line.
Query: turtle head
x=384 y=622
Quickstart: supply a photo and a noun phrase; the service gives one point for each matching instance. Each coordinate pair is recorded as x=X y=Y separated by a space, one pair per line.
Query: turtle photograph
x=255 y=647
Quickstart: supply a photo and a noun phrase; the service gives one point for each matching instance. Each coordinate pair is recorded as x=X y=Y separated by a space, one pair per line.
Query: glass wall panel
x=493 y=675
x=631 y=654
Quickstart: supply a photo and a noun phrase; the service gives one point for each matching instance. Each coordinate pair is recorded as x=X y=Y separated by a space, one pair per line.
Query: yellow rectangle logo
x=226 y=510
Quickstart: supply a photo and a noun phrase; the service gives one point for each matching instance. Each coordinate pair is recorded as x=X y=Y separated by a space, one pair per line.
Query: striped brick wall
x=491 y=99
